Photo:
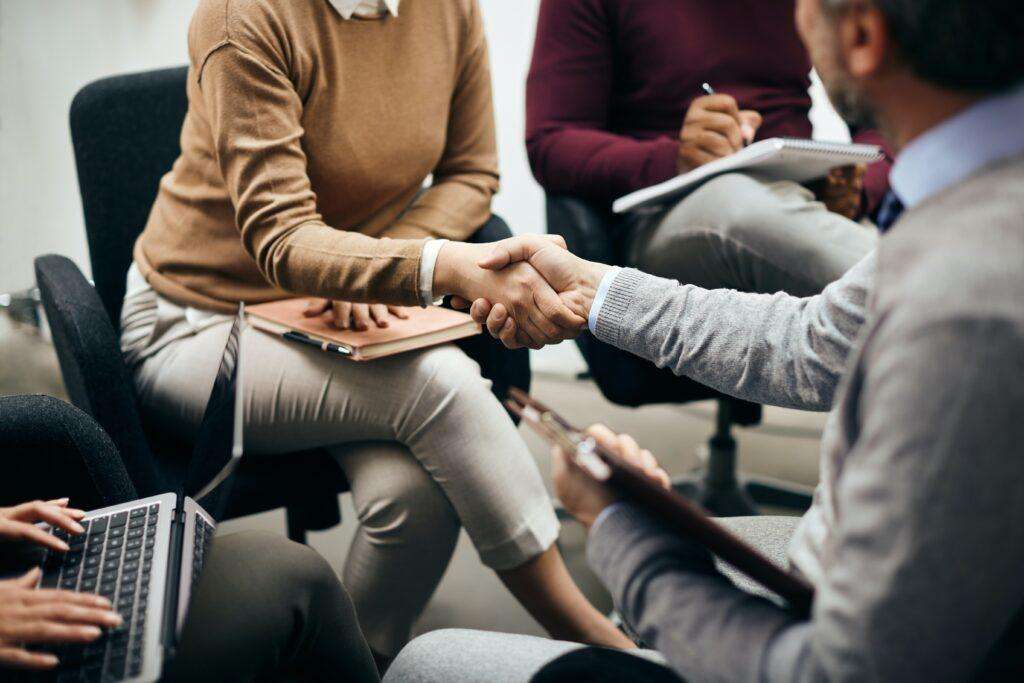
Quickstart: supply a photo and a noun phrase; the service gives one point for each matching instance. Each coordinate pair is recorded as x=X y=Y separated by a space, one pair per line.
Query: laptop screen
x=218 y=445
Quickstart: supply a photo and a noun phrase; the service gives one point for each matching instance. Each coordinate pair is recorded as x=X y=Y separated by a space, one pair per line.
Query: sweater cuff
x=599 y=297
x=611 y=319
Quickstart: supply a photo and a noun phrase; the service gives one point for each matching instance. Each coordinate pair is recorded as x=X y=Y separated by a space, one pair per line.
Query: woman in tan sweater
x=311 y=127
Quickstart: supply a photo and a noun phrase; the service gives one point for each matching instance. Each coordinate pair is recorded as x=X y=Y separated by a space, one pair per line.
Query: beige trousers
x=420 y=437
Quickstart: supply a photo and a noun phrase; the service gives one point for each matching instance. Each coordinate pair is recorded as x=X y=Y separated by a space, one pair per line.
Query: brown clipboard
x=679 y=513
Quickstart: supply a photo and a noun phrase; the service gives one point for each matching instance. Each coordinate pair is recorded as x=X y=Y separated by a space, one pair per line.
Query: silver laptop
x=146 y=555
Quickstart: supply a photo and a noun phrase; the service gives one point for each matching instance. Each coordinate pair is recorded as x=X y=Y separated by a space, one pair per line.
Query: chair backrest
x=126 y=134
x=90 y=362
x=60 y=451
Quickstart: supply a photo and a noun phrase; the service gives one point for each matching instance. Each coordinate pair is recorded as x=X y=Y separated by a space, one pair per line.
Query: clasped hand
x=528 y=290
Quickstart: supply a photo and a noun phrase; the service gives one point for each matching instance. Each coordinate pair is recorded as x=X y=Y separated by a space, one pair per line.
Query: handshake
x=528 y=290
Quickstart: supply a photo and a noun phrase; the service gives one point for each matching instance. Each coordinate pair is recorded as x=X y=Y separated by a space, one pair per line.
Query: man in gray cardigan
x=919 y=353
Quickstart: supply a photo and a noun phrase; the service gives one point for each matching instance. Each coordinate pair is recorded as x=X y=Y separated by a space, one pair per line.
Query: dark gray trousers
x=270 y=609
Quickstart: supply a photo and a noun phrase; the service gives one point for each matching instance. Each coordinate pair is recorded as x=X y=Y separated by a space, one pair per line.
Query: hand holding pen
x=714 y=127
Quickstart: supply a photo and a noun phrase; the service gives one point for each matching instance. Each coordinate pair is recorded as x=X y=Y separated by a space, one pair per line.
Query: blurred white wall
x=50 y=48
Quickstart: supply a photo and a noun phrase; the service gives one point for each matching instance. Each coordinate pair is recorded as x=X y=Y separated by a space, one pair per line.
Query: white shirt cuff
x=602 y=292
x=428 y=259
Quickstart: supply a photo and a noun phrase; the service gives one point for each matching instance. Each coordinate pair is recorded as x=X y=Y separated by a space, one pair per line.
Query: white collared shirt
x=365 y=8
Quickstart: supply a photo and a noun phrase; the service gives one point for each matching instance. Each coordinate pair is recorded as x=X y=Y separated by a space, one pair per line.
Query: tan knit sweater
x=306 y=142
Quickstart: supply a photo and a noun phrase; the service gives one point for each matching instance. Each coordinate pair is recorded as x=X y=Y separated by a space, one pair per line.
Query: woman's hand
x=36 y=617
x=583 y=496
x=349 y=316
x=18 y=523
x=575 y=280
x=541 y=317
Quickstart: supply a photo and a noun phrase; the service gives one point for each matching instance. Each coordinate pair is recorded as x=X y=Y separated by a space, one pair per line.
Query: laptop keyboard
x=204 y=532
x=113 y=558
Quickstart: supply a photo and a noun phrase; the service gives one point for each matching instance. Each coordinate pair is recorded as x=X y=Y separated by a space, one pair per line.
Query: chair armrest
x=52 y=449
x=585 y=227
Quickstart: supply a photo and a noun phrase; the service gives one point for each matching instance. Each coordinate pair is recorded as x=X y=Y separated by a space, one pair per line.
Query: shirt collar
x=947 y=154
x=346 y=8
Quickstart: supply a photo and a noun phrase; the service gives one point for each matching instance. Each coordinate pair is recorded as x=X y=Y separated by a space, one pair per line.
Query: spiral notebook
x=771 y=159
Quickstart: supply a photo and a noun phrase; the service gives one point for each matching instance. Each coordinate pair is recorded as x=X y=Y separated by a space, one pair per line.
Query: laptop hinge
x=170 y=624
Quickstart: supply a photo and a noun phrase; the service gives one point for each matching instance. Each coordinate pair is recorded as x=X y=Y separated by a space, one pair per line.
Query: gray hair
x=967 y=45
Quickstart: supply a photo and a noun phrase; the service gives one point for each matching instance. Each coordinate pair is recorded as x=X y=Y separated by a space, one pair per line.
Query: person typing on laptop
x=173 y=602
x=624 y=95
x=238 y=629
x=30 y=617
x=918 y=354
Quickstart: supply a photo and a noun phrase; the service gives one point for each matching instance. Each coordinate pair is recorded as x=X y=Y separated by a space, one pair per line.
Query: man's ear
x=864 y=40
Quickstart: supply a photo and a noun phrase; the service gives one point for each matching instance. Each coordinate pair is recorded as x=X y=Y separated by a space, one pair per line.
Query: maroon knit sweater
x=611 y=81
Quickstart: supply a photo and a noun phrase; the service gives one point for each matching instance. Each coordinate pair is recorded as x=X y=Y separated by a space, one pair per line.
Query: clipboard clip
x=557 y=431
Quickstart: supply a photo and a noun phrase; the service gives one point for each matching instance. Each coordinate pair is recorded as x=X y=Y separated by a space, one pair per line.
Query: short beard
x=852 y=106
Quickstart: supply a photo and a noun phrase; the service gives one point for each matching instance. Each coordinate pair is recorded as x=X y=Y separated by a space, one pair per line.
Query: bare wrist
x=450 y=272
x=589 y=276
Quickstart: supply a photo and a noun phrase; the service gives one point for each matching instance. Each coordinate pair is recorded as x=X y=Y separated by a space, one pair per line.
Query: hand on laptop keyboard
x=113 y=559
x=18 y=523
x=31 y=619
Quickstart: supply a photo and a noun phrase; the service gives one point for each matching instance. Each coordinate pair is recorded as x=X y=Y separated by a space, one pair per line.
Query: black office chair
x=628 y=380
x=60 y=451
x=306 y=483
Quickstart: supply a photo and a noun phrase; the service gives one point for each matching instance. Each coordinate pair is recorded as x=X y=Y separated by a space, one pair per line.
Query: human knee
x=398 y=501
x=427 y=658
x=292 y=573
x=292 y=567
x=447 y=382
x=732 y=206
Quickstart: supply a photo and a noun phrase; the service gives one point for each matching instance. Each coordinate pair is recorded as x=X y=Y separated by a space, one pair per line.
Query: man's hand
x=541 y=316
x=18 y=523
x=583 y=496
x=842 y=190
x=574 y=279
x=359 y=317
x=30 y=617
x=714 y=127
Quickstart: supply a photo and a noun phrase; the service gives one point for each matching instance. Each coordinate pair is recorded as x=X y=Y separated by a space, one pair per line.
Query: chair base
x=742 y=498
x=718 y=489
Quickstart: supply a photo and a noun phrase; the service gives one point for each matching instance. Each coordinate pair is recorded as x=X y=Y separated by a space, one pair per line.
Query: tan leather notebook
x=424 y=327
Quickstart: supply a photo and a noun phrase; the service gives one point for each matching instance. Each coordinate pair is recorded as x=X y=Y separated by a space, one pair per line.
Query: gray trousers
x=737 y=232
x=420 y=437
x=463 y=656
x=270 y=609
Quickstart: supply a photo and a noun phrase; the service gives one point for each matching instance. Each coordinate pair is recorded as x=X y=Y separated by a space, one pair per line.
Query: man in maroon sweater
x=614 y=103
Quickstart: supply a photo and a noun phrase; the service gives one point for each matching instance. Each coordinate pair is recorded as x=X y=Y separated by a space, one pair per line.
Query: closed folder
x=424 y=327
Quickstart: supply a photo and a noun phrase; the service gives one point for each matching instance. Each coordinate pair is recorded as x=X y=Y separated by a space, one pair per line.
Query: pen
x=748 y=132
x=323 y=346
